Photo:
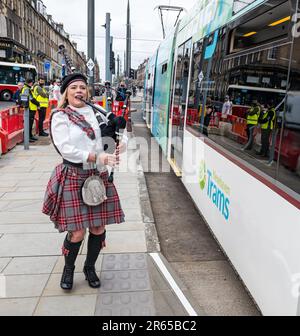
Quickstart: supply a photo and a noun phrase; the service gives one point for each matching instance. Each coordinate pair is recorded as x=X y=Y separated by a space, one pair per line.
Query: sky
x=145 y=25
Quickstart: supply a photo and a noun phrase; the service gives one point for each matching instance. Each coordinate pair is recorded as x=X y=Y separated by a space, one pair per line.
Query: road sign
x=90 y=64
x=47 y=66
x=200 y=77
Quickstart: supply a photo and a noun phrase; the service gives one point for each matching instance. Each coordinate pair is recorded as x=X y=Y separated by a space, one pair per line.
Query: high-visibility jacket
x=267 y=119
x=26 y=90
x=43 y=98
x=253 y=119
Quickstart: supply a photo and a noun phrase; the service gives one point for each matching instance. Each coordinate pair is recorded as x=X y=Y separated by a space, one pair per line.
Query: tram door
x=180 y=90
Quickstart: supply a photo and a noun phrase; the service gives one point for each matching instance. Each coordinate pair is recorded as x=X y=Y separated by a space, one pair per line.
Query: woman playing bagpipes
x=76 y=136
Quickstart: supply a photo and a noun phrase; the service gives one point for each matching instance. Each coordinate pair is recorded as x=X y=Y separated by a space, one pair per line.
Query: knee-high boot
x=95 y=243
x=70 y=251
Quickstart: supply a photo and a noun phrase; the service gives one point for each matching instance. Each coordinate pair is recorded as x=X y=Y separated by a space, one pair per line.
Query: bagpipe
x=111 y=126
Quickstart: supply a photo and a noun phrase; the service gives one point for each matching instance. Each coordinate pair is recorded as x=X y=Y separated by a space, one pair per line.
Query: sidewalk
x=30 y=249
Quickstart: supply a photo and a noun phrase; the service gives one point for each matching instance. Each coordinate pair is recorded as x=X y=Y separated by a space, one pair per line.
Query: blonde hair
x=63 y=102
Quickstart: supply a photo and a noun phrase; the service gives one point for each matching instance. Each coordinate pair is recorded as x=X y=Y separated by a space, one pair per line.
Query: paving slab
x=27 y=206
x=125 y=281
x=3 y=263
x=25 y=285
x=18 y=306
x=27 y=228
x=31 y=265
x=127 y=226
x=78 y=265
x=132 y=215
x=80 y=286
x=119 y=262
x=67 y=305
x=18 y=196
x=125 y=304
x=31 y=244
x=122 y=242
x=9 y=217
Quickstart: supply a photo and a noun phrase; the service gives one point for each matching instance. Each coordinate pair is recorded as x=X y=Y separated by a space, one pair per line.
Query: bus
x=250 y=202
x=11 y=74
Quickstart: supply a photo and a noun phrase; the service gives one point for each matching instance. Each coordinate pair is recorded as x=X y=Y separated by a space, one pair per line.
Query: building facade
x=29 y=35
x=141 y=73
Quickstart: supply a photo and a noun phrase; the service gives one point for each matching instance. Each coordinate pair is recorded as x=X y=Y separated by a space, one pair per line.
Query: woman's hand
x=109 y=159
x=92 y=158
x=122 y=147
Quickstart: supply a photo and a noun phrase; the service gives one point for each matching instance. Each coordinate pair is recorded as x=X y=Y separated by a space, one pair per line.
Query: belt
x=73 y=164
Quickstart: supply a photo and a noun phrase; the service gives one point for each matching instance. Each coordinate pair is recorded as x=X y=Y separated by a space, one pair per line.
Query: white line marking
x=173 y=284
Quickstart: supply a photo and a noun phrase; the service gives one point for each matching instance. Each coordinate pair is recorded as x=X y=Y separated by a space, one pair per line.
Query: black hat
x=67 y=80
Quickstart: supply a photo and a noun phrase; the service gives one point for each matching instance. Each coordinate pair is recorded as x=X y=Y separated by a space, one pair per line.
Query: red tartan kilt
x=63 y=201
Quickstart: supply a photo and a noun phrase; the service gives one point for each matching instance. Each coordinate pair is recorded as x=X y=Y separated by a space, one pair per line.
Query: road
x=4 y=105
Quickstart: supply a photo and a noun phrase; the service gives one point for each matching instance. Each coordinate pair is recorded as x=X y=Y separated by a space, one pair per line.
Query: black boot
x=95 y=244
x=70 y=251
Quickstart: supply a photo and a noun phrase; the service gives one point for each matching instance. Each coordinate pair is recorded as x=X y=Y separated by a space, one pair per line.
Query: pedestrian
x=56 y=90
x=33 y=106
x=266 y=121
x=209 y=112
x=76 y=134
x=227 y=108
x=17 y=94
x=121 y=92
x=252 y=120
x=42 y=97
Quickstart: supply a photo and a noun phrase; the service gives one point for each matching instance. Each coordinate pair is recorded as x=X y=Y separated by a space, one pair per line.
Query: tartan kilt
x=63 y=201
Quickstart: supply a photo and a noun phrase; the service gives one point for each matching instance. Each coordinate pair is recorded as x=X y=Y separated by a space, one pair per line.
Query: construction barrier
x=11 y=128
x=52 y=105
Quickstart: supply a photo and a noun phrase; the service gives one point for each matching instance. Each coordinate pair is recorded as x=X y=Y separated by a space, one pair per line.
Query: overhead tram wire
x=117 y=38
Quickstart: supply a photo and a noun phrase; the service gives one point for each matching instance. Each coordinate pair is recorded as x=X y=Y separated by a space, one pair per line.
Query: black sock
x=70 y=251
x=94 y=247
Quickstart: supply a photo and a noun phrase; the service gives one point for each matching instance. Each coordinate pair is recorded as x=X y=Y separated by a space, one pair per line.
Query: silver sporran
x=93 y=191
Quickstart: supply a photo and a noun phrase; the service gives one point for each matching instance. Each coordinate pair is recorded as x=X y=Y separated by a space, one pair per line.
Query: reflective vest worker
x=253 y=114
x=33 y=106
x=42 y=97
x=252 y=120
x=266 y=120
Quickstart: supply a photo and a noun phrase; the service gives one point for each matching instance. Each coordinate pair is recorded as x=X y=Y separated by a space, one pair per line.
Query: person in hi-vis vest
x=266 y=121
x=42 y=97
x=33 y=106
x=252 y=121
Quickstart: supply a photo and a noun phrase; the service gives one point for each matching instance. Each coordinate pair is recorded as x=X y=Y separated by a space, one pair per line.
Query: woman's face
x=77 y=90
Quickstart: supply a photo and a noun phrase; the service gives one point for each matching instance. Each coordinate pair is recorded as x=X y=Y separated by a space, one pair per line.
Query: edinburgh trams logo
x=216 y=189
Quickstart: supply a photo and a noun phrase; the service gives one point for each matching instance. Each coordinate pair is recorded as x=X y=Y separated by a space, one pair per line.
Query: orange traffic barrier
x=11 y=128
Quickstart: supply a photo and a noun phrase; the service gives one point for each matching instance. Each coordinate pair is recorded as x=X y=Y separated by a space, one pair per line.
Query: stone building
x=141 y=73
x=29 y=35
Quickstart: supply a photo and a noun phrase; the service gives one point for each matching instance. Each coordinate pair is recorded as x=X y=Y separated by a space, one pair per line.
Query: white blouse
x=71 y=141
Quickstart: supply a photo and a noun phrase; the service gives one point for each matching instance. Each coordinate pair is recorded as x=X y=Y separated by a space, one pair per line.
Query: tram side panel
x=256 y=226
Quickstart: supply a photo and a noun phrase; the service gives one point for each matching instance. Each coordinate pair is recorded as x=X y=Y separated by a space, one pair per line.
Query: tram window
x=263 y=28
x=289 y=158
x=164 y=68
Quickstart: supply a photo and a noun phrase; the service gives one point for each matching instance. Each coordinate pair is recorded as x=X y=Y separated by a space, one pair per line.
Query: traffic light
x=112 y=62
x=132 y=73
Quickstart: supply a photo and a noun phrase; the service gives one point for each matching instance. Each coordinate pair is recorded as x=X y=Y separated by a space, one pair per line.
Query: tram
x=249 y=51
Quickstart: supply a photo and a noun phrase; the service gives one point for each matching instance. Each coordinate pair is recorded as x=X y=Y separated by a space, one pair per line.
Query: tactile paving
x=121 y=281
x=125 y=304
x=124 y=262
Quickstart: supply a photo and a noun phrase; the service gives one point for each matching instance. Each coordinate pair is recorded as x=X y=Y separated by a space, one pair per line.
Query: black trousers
x=42 y=116
x=249 y=131
x=265 y=141
x=31 y=121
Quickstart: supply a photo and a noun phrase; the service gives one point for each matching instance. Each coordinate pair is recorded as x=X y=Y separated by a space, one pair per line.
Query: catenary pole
x=91 y=39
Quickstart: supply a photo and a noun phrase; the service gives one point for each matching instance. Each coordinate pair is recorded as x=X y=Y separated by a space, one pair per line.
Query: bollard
x=25 y=103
